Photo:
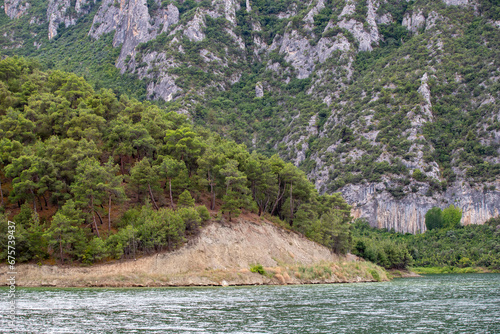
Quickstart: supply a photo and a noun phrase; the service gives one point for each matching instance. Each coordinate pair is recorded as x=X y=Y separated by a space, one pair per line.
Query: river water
x=468 y=303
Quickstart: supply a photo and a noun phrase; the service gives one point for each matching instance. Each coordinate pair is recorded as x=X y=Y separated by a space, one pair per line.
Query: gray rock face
x=426 y=94
x=16 y=8
x=299 y=52
x=456 y=2
x=132 y=24
x=365 y=37
x=414 y=21
x=309 y=18
x=259 y=90
x=194 y=29
x=372 y=202
x=57 y=13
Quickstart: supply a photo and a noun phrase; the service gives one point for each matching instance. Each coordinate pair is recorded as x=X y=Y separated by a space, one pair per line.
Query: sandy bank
x=222 y=254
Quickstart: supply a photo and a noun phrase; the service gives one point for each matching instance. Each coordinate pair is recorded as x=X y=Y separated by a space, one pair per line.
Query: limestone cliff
x=381 y=209
x=62 y=11
x=16 y=8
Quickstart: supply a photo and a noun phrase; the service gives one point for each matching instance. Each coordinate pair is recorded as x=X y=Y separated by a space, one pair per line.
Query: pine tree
x=168 y=169
x=89 y=187
x=64 y=234
x=237 y=192
x=185 y=200
x=113 y=187
x=145 y=178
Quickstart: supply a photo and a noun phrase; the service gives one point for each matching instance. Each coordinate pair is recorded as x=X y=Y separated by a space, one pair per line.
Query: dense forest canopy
x=99 y=176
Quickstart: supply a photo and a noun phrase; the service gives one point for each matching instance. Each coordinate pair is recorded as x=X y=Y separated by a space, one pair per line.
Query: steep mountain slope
x=394 y=103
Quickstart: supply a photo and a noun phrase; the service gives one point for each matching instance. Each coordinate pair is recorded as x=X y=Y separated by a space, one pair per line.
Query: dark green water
x=467 y=303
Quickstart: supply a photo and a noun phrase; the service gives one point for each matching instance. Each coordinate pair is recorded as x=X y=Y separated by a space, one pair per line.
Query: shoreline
x=31 y=275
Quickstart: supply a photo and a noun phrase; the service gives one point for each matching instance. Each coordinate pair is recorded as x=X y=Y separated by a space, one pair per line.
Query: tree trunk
x=93 y=215
x=45 y=200
x=121 y=164
x=109 y=216
x=212 y=199
x=99 y=216
x=152 y=197
x=61 y=249
x=170 y=190
x=40 y=203
x=34 y=200
x=278 y=198
x=1 y=193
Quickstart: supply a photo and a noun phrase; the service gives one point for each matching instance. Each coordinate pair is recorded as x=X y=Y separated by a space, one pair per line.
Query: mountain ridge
x=392 y=103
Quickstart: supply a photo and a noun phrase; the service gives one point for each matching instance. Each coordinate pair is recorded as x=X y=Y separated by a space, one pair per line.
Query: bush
x=203 y=212
x=257 y=268
x=434 y=219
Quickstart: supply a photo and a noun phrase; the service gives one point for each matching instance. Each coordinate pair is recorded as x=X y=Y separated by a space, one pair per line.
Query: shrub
x=257 y=268
x=203 y=212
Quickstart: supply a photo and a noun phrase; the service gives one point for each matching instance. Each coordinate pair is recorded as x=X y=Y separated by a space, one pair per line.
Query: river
x=468 y=303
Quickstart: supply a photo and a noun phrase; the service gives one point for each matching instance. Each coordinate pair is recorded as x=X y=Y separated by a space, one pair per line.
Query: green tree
x=89 y=187
x=451 y=217
x=262 y=180
x=112 y=185
x=145 y=178
x=169 y=168
x=8 y=150
x=185 y=145
x=15 y=126
x=126 y=138
x=185 y=200
x=334 y=232
x=64 y=235
x=32 y=177
x=434 y=218
x=237 y=192
x=209 y=165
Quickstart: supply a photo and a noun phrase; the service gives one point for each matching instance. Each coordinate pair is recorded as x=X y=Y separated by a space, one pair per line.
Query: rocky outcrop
x=426 y=94
x=132 y=24
x=456 y=2
x=259 y=90
x=56 y=14
x=365 y=36
x=194 y=29
x=16 y=8
x=298 y=51
x=382 y=210
x=62 y=12
x=414 y=21
x=309 y=18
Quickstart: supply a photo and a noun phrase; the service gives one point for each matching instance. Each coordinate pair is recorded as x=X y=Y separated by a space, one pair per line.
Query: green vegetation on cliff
x=448 y=247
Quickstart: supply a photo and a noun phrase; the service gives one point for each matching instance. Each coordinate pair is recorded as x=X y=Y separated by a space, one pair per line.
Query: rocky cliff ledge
x=222 y=254
x=382 y=210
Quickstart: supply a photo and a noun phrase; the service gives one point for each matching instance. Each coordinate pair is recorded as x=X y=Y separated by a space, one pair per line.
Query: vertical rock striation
x=374 y=203
x=132 y=24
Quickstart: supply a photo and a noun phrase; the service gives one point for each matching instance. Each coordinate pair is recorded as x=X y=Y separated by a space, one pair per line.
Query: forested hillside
x=87 y=175
x=441 y=250
x=394 y=103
